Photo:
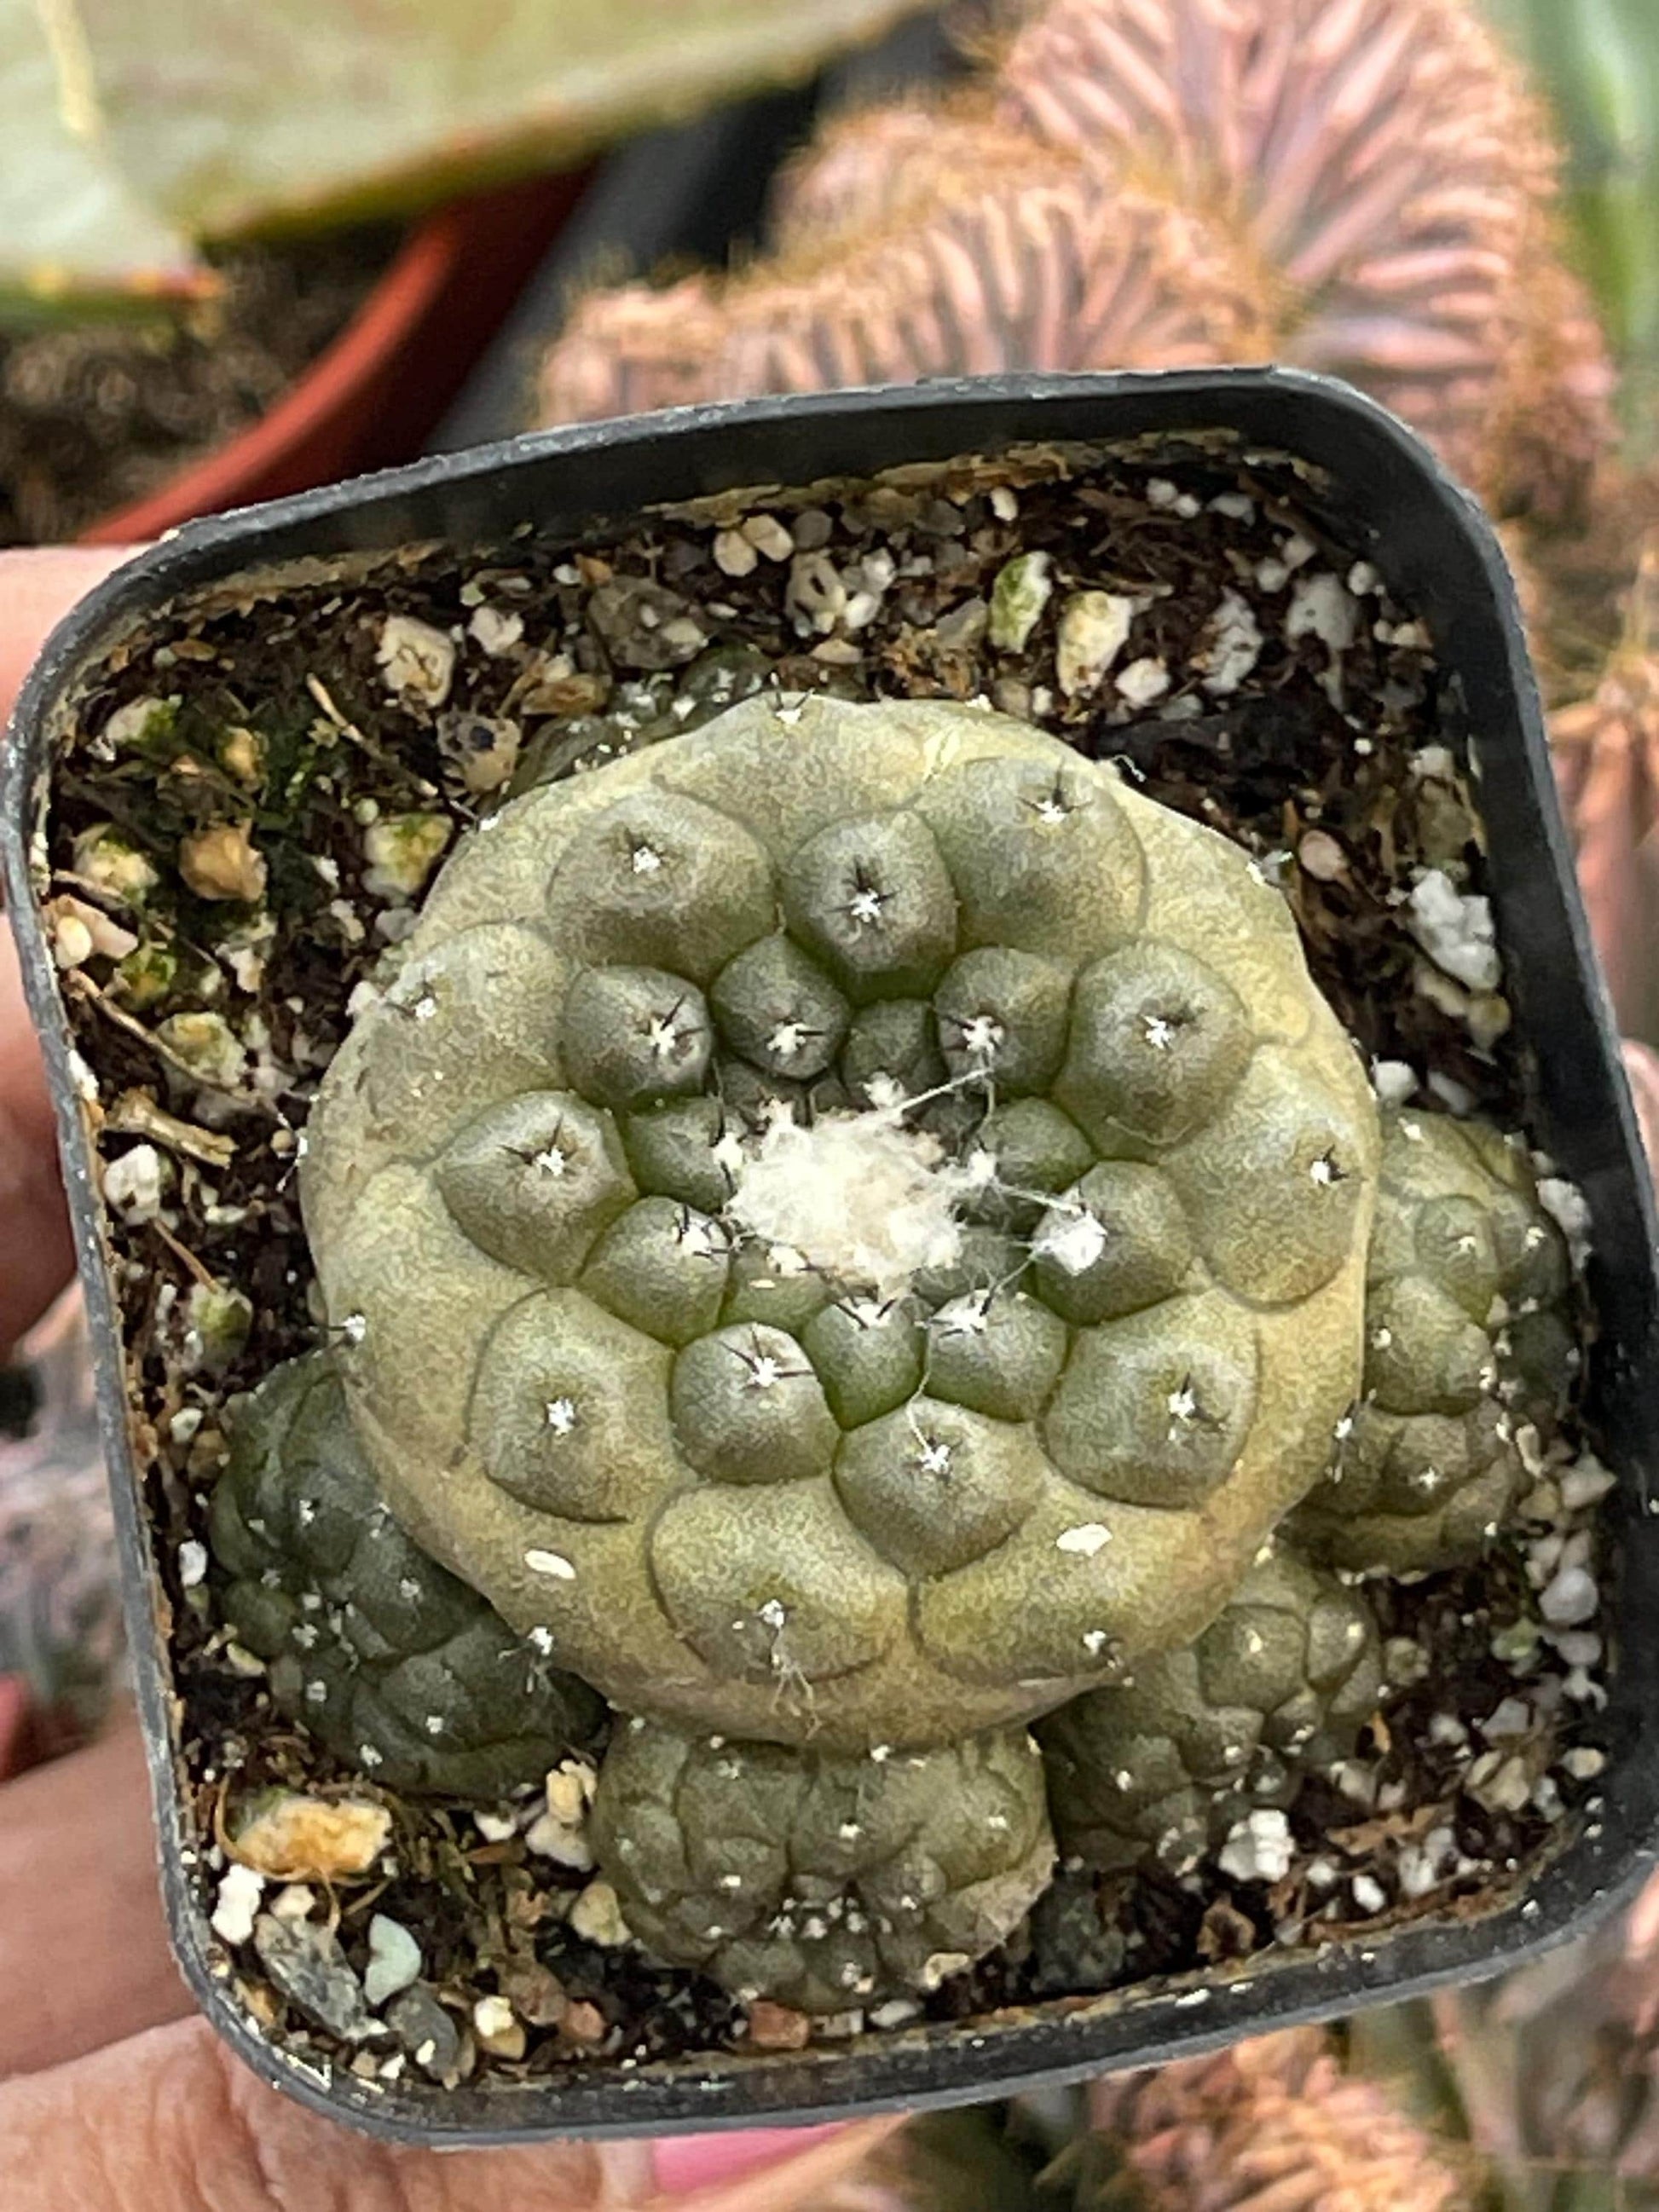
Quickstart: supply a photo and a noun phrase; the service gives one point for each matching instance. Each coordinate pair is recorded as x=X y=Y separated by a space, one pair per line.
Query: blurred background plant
x=205 y=208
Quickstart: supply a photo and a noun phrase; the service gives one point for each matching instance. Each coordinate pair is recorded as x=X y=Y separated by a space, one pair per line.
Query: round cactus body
x=1281 y=1681
x=399 y=1667
x=822 y=1882
x=849 y=1225
x=1469 y=1341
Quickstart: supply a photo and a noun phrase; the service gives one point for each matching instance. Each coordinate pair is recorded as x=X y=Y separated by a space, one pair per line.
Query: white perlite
x=417 y=661
x=1566 y=1205
x=1321 y=607
x=859 y=1196
x=1456 y=930
x=1143 y=681
x=1258 y=1848
x=133 y=1183
x=1394 y=1081
x=237 y=1903
x=1231 y=646
x=1094 y=628
x=559 y=1833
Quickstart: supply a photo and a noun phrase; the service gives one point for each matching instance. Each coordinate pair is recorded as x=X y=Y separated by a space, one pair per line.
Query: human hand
x=113 y=2096
x=35 y=1254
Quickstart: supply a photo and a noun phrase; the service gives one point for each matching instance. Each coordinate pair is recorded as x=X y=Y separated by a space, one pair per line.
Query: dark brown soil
x=93 y=415
x=1296 y=747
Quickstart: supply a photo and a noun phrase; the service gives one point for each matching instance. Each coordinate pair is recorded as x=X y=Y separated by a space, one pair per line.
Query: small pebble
x=560 y=1832
x=1405 y=1661
x=417 y=661
x=1094 y=628
x=1369 y=1893
x=1571 y=1599
x=291 y=1836
x=426 y=2032
x=1512 y=1717
x=306 y=1966
x=498 y=2028
x=220 y=863
x=192 y=1563
x=394 y=1959
x=1586 y=1483
x=1319 y=855
x=1259 y=1848
x=734 y=554
x=582 y=2022
x=135 y=1183
x=496 y=630
x=1141 y=683
x=772 y=539
x=777 y=2027
x=597 y=1915
x=1394 y=1081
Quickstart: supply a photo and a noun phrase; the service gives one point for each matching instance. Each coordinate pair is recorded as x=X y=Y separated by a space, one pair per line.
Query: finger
x=171 y=2120
x=39 y=585
x=83 y=1953
x=36 y=1254
x=36 y=588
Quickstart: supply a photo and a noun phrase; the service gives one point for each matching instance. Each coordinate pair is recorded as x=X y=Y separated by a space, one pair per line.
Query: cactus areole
x=879 y=1338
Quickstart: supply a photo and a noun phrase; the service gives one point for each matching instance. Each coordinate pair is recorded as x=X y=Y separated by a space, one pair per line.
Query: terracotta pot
x=370 y=399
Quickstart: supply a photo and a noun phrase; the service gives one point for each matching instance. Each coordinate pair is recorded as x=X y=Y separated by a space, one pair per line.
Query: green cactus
x=819 y=1881
x=728 y=1399
x=1468 y=1344
x=888 y=1231
x=397 y=1667
x=1283 y=1680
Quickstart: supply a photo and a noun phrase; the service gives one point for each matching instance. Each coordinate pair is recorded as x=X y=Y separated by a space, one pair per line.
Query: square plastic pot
x=1374 y=482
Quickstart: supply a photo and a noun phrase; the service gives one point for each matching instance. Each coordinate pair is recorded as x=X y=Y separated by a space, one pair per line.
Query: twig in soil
x=133 y=1114
x=81 y=986
x=204 y=1275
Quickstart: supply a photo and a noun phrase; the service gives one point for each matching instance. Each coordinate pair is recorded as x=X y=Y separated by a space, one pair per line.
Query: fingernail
x=687 y=2162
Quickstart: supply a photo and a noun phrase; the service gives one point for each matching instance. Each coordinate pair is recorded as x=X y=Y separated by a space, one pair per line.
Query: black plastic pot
x=1383 y=490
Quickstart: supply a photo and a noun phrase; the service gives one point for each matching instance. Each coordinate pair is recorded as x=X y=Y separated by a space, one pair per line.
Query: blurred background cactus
x=1453 y=203
x=1370 y=190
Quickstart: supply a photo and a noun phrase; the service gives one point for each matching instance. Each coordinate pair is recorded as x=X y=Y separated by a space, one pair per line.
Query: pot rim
x=1445 y=554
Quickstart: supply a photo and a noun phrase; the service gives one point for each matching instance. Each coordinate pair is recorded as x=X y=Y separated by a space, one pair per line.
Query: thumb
x=36 y=588
x=170 y=2120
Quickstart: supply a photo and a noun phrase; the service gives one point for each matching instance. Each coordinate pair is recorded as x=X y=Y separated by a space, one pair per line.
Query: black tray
x=1436 y=550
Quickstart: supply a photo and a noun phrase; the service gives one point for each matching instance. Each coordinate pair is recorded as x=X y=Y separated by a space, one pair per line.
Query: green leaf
x=71 y=233
x=234 y=116
x=1598 y=62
